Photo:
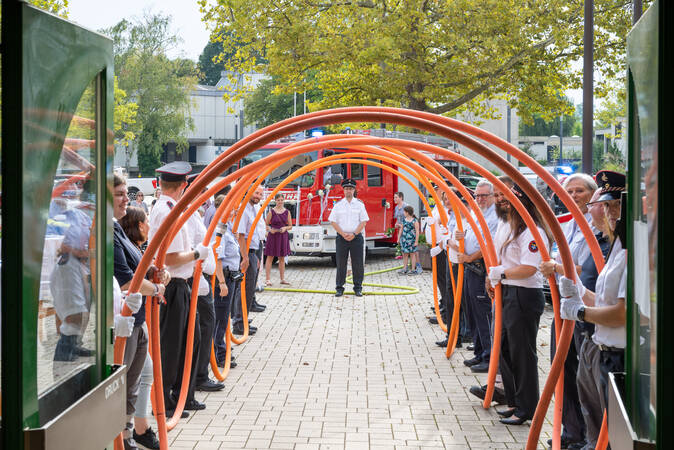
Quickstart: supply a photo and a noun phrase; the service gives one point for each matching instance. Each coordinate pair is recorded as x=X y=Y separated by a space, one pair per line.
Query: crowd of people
x=134 y=225
x=595 y=300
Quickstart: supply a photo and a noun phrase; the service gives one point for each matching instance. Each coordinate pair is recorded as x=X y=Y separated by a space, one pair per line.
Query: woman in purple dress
x=278 y=223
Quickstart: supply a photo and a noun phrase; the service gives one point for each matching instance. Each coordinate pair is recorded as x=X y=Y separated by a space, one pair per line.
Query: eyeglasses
x=483 y=195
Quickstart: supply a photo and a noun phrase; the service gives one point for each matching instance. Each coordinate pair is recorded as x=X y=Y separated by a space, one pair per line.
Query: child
x=409 y=240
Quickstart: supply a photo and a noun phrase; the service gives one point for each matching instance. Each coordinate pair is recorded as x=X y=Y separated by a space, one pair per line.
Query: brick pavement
x=354 y=373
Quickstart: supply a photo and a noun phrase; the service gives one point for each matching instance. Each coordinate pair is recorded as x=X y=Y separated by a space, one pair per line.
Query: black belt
x=608 y=349
x=253 y=250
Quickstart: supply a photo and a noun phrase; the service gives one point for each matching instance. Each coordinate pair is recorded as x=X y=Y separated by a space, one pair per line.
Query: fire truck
x=311 y=197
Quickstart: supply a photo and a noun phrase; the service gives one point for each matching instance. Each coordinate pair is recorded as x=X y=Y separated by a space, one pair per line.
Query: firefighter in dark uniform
x=348 y=218
x=180 y=259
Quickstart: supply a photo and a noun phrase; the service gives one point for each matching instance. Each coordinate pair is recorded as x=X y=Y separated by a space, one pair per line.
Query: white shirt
x=442 y=234
x=197 y=231
x=611 y=285
x=521 y=251
x=182 y=241
x=246 y=224
x=348 y=215
x=261 y=227
x=580 y=251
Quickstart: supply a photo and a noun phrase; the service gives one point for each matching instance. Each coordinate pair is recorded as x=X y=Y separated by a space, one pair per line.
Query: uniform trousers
x=251 y=283
x=343 y=249
x=173 y=318
x=478 y=308
x=589 y=385
x=223 y=305
x=572 y=416
x=444 y=285
x=522 y=309
x=464 y=330
x=206 y=311
x=135 y=353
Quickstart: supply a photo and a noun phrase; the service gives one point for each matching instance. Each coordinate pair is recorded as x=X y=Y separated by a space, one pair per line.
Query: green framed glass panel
x=57 y=98
x=644 y=249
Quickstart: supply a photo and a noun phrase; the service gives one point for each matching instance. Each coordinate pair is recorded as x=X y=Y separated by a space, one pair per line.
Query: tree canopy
x=160 y=86
x=209 y=69
x=264 y=106
x=433 y=55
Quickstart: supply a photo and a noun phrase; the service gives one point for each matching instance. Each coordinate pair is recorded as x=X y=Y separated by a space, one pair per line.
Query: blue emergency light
x=565 y=170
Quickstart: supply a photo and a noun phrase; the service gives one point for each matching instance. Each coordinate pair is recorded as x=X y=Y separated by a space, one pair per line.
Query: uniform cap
x=348 y=182
x=611 y=183
x=175 y=171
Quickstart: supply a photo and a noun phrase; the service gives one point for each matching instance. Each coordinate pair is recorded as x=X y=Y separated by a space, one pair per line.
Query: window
x=356 y=171
x=374 y=177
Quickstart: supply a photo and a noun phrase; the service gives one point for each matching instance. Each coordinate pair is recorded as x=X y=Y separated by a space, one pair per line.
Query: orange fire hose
x=432 y=123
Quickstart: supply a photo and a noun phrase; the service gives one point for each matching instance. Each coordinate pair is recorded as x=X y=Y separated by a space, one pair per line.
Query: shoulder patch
x=533 y=248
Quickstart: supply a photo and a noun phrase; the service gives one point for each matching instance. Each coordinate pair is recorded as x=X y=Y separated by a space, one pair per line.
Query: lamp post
x=561 y=138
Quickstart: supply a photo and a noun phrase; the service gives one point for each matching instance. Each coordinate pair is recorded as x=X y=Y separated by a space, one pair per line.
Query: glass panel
x=374 y=177
x=356 y=171
x=66 y=313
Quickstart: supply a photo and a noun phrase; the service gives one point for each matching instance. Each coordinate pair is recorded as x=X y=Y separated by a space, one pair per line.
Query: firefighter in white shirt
x=348 y=218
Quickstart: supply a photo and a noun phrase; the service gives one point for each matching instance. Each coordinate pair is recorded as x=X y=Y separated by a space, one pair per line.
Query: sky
x=97 y=14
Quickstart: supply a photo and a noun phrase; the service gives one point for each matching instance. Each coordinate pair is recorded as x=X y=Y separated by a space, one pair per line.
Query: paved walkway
x=334 y=373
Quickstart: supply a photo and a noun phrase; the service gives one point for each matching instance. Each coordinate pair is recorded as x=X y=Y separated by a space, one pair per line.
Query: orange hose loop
x=436 y=124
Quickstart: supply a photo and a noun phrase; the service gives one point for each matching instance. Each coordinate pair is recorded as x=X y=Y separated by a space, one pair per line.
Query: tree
x=159 y=85
x=537 y=125
x=612 y=112
x=431 y=55
x=264 y=106
x=209 y=69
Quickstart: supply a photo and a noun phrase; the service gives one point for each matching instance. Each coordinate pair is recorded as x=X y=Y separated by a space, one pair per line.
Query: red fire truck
x=311 y=197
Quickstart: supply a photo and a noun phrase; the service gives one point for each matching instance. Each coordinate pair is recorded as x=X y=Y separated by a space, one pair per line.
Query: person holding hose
x=349 y=217
x=604 y=307
x=523 y=304
x=580 y=187
x=127 y=255
x=180 y=261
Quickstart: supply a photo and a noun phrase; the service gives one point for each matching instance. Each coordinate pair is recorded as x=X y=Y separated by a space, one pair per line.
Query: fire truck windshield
x=285 y=169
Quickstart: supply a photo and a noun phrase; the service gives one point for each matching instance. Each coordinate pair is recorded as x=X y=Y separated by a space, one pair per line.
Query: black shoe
x=238 y=330
x=65 y=349
x=81 y=351
x=514 y=420
x=148 y=439
x=433 y=320
x=507 y=413
x=232 y=364
x=256 y=308
x=481 y=391
x=194 y=405
x=358 y=293
x=170 y=412
x=565 y=443
x=470 y=348
x=210 y=386
x=482 y=367
x=441 y=343
x=339 y=292
x=130 y=444
x=473 y=361
x=259 y=305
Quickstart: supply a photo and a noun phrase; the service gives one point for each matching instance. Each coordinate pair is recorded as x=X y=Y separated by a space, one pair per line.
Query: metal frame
x=47 y=62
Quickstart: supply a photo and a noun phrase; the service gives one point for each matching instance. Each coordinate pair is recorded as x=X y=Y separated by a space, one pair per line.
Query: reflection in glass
x=66 y=325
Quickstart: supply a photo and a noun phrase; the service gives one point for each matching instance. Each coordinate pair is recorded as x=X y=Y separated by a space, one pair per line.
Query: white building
x=506 y=127
x=217 y=125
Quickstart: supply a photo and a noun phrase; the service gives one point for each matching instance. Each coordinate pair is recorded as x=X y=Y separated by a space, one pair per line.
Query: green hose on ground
x=406 y=290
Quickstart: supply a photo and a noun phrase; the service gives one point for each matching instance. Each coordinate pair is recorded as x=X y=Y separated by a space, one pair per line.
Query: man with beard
x=249 y=260
x=502 y=209
x=478 y=304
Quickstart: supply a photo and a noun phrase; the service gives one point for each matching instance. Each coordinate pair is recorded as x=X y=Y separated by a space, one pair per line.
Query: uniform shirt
x=208 y=215
x=611 y=285
x=261 y=227
x=229 y=250
x=521 y=251
x=348 y=215
x=442 y=233
x=471 y=243
x=181 y=242
x=576 y=240
x=246 y=224
x=79 y=229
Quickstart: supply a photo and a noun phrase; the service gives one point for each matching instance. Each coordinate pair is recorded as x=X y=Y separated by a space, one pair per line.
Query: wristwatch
x=503 y=277
x=196 y=254
x=581 y=314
